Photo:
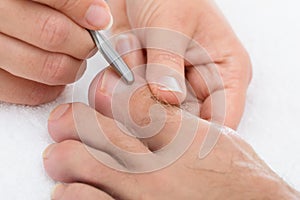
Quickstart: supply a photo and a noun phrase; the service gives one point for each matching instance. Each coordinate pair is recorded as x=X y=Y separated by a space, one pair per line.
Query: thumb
x=165 y=76
x=91 y=14
x=166 y=46
x=165 y=72
x=165 y=30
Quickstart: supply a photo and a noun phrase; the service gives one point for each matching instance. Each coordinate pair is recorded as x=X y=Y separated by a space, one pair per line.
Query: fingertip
x=98 y=16
x=168 y=89
x=167 y=95
x=166 y=76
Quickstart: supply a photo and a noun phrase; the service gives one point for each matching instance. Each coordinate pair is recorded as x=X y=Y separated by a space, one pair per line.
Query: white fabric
x=270 y=31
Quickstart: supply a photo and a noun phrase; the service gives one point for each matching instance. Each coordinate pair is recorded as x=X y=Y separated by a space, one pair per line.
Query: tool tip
x=128 y=77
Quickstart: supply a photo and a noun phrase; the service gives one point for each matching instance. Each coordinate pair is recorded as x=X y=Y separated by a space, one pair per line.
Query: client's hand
x=221 y=67
x=179 y=155
x=44 y=46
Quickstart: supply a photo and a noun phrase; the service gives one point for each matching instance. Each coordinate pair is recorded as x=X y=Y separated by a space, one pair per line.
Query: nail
x=107 y=83
x=111 y=22
x=57 y=191
x=99 y=16
x=126 y=43
x=168 y=83
x=58 y=112
x=123 y=44
x=48 y=150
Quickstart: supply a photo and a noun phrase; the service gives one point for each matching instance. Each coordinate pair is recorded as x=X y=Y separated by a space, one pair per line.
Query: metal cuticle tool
x=112 y=57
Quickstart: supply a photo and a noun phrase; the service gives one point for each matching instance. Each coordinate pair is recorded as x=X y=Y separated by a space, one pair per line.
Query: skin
x=232 y=170
x=227 y=70
x=46 y=46
x=189 y=177
x=59 y=45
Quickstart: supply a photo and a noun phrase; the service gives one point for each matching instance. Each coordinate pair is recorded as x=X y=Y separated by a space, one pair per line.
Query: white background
x=269 y=29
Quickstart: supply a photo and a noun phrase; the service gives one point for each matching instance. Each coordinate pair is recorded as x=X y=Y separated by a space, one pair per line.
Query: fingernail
x=59 y=112
x=99 y=16
x=57 y=191
x=126 y=43
x=106 y=84
x=168 y=83
x=111 y=22
x=48 y=150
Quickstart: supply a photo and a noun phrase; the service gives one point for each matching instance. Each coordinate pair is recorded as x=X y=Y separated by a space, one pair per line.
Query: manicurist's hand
x=193 y=39
x=43 y=46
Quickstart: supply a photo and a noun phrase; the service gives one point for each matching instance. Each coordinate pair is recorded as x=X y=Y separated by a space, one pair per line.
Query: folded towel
x=24 y=137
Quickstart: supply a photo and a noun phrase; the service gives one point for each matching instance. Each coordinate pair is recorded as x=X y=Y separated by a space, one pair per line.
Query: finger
x=61 y=164
x=165 y=71
x=91 y=14
x=43 y=27
x=125 y=38
x=78 y=191
x=129 y=48
x=166 y=75
x=221 y=102
x=125 y=41
x=20 y=91
x=119 y=12
x=26 y=61
x=166 y=45
x=229 y=113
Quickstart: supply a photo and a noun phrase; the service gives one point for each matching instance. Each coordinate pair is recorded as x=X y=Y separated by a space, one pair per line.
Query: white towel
x=270 y=31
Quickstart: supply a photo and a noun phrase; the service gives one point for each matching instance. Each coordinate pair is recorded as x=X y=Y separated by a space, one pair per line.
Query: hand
x=96 y=158
x=221 y=70
x=44 y=46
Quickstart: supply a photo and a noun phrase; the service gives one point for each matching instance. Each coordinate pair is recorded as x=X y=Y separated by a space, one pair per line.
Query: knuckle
x=67 y=5
x=172 y=58
x=248 y=64
x=38 y=95
x=245 y=69
x=54 y=31
x=54 y=69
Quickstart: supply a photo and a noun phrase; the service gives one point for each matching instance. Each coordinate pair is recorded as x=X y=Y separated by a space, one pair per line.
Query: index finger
x=44 y=27
x=223 y=98
x=90 y=14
